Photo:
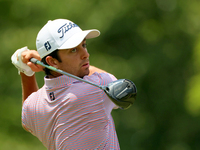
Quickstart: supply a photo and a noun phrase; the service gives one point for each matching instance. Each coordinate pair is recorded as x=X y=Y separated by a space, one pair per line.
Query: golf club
x=122 y=92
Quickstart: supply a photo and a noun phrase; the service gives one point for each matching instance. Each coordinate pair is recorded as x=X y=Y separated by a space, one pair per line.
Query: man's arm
x=29 y=85
x=95 y=69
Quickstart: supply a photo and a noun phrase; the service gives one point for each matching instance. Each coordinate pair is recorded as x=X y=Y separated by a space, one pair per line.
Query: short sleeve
x=25 y=117
x=106 y=79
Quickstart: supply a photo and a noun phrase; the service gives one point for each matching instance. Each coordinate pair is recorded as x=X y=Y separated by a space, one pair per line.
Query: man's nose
x=85 y=53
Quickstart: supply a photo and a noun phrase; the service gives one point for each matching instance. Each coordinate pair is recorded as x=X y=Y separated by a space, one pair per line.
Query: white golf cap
x=61 y=34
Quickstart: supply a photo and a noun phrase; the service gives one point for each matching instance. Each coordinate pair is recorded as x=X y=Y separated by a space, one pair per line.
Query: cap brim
x=77 y=38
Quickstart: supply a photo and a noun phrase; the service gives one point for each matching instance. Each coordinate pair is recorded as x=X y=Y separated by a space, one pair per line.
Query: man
x=65 y=113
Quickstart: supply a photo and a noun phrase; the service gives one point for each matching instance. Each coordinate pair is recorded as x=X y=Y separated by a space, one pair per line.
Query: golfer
x=65 y=113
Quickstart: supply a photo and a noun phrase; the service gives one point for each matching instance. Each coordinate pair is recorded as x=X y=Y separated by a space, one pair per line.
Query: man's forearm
x=95 y=69
x=29 y=85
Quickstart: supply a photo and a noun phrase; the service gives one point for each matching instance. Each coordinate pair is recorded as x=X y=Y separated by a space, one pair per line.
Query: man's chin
x=85 y=73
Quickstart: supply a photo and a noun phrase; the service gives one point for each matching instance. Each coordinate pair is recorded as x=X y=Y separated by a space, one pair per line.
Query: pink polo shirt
x=69 y=114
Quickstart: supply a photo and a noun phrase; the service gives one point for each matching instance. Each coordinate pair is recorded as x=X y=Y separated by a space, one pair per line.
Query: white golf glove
x=17 y=62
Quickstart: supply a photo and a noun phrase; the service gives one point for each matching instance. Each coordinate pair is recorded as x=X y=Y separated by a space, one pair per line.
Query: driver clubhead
x=122 y=92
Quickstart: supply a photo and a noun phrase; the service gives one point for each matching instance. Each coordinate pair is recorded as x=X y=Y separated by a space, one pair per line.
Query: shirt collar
x=59 y=81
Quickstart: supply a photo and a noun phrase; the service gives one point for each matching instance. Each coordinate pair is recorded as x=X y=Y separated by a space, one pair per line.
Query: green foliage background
x=155 y=43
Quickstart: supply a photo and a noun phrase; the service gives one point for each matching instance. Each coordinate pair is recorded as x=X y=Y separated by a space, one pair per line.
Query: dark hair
x=54 y=54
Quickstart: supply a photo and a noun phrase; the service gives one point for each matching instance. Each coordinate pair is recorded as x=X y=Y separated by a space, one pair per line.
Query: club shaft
x=35 y=61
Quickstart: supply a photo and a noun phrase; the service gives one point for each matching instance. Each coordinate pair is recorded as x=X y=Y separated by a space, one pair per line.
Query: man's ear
x=52 y=61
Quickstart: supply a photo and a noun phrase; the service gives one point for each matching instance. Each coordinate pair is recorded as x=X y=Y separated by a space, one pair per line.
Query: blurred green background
x=155 y=43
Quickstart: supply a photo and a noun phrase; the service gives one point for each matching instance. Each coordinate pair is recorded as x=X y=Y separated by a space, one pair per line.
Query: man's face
x=75 y=60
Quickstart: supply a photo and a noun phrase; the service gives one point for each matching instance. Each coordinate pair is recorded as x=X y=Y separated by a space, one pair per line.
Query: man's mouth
x=86 y=64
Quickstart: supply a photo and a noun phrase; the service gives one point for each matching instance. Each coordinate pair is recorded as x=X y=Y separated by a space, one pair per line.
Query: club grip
x=33 y=60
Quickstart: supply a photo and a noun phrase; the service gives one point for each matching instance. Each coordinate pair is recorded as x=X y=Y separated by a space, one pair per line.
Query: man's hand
x=27 y=55
x=20 y=60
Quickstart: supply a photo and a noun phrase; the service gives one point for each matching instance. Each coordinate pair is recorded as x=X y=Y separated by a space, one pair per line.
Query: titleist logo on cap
x=66 y=27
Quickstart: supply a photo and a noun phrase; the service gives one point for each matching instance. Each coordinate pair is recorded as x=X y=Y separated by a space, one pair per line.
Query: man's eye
x=73 y=50
x=84 y=45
